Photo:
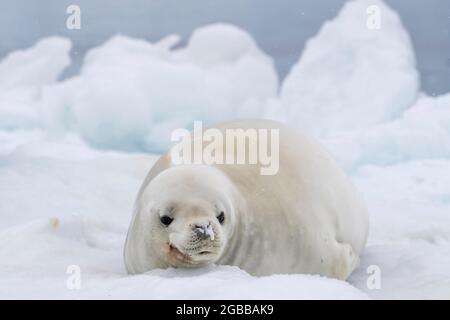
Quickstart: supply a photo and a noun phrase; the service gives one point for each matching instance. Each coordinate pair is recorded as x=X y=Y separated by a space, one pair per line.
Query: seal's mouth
x=204 y=253
x=203 y=256
x=191 y=258
x=177 y=254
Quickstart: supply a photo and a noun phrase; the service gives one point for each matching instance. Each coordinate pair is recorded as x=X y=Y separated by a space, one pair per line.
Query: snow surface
x=68 y=179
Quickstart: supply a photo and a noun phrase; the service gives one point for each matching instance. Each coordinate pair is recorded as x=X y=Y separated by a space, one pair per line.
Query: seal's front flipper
x=345 y=261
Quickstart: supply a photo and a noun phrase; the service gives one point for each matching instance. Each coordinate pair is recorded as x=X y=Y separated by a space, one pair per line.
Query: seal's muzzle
x=204 y=231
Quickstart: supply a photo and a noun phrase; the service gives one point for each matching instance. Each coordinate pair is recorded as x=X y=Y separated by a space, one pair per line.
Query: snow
x=410 y=228
x=167 y=88
x=24 y=74
x=73 y=208
x=373 y=76
x=73 y=154
x=37 y=66
x=421 y=132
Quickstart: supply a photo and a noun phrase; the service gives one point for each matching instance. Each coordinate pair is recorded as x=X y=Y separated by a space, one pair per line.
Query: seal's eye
x=221 y=217
x=166 y=220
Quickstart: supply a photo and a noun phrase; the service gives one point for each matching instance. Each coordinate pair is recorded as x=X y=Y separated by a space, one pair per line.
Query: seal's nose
x=204 y=231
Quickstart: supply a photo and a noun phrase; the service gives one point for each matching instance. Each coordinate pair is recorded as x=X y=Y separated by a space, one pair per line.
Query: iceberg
x=350 y=76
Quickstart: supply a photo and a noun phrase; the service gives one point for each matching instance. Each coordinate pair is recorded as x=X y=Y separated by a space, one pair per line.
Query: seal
x=304 y=217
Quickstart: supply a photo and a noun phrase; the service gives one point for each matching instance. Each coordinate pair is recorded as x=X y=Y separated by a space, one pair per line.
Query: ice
x=23 y=74
x=166 y=88
x=409 y=206
x=350 y=76
x=77 y=209
x=37 y=66
x=65 y=200
x=79 y=202
x=421 y=132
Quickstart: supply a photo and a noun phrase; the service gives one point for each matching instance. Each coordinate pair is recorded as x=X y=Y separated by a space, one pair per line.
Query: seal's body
x=306 y=218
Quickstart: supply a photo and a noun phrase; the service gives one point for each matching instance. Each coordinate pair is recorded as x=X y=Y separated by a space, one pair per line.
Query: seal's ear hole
x=166 y=220
x=221 y=217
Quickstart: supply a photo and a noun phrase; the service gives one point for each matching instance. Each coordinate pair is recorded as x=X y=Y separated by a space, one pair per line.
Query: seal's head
x=188 y=215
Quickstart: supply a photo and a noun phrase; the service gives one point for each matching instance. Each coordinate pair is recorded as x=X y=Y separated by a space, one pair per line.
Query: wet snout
x=203 y=231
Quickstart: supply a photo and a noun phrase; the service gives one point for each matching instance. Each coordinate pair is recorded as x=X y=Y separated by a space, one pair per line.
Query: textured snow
x=24 y=74
x=166 y=88
x=421 y=132
x=68 y=180
x=373 y=77
x=65 y=204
